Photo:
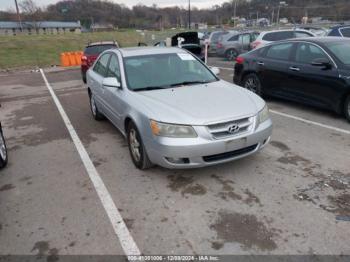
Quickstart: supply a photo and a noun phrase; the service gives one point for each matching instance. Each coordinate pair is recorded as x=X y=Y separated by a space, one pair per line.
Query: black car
x=314 y=71
x=191 y=42
x=340 y=30
x=3 y=150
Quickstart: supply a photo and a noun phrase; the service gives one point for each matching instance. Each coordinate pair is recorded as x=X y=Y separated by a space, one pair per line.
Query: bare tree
x=32 y=11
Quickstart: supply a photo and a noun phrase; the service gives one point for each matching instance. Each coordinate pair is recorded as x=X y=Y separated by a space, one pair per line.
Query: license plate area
x=234 y=144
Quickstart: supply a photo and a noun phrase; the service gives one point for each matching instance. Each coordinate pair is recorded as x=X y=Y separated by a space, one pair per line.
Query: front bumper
x=205 y=151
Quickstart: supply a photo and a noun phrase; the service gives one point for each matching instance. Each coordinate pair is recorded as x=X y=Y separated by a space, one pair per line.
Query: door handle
x=293 y=68
x=261 y=63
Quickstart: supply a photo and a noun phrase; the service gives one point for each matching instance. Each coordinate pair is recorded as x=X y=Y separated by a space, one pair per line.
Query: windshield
x=164 y=71
x=341 y=50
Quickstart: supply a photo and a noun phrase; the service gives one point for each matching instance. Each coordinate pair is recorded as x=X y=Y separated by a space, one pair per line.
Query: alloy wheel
x=93 y=105
x=231 y=55
x=3 y=152
x=251 y=84
x=134 y=145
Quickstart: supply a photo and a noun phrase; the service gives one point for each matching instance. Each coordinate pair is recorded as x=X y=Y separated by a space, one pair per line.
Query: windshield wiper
x=185 y=83
x=149 y=88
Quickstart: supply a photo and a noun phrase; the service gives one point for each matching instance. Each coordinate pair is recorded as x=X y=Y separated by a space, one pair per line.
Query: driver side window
x=113 y=68
x=101 y=65
x=307 y=53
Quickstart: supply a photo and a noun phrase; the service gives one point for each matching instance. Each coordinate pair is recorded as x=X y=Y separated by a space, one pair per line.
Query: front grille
x=231 y=154
x=221 y=130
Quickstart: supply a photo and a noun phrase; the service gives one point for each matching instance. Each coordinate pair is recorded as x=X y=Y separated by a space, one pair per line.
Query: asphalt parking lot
x=291 y=198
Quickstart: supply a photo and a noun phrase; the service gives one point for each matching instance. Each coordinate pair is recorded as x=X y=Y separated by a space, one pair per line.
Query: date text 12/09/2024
x=173 y=258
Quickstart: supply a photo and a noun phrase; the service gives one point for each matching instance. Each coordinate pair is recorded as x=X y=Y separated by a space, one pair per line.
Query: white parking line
x=225 y=68
x=311 y=122
x=127 y=242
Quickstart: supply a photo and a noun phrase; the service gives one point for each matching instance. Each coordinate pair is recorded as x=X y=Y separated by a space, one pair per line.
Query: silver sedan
x=174 y=111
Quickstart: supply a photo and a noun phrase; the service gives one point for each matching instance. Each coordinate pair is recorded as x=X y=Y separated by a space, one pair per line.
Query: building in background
x=40 y=27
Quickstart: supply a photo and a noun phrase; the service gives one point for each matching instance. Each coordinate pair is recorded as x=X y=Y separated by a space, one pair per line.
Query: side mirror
x=322 y=62
x=215 y=70
x=111 y=82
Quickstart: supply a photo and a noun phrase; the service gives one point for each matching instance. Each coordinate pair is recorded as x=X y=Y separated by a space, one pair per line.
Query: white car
x=267 y=37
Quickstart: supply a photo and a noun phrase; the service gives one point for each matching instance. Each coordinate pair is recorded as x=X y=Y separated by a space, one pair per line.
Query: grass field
x=29 y=51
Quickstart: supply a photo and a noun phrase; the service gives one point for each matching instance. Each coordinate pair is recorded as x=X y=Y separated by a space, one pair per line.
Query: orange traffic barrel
x=78 y=56
x=71 y=56
x=64 y=60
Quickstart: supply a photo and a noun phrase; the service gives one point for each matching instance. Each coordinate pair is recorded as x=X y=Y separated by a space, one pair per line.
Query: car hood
x=201 y=104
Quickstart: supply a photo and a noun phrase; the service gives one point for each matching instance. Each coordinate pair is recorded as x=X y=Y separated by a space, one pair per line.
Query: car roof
x=139 y=51
x=324 y=39
x=102 y=43
x=339 y=26
x=285 y=30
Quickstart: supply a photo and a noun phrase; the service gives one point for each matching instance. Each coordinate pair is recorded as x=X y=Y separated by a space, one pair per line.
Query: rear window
x=280 y=51
x=215 y=36
x=345 y=31
x=97 y=49
x=277 y=36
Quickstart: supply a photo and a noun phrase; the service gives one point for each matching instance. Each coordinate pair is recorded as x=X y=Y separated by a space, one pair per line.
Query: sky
x=9 y=4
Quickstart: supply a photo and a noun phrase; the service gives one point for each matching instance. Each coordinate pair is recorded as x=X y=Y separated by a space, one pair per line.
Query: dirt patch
x=227 y=191
x=43 y=249
x=279 y=145
x=244 y=229
x=251 y=198
x=341 y=203
x=7 y=187
x=178 y=182
x=196 y=190
x=293 y=159
x=129 y=222
x=217 y=245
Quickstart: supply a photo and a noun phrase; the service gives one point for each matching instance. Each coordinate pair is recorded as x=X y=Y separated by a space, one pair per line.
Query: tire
x=137 y=149
x=347 y=108
x=83 y=75
x=94 y=110
x=3 y=151
x=231 y=54
x=252 y=83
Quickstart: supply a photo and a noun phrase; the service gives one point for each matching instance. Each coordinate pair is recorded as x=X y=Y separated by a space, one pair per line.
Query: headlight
x=170 y=130
x=264 y=114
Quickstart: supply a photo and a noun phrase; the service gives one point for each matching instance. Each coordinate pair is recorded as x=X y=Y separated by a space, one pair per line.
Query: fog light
x=174 y=160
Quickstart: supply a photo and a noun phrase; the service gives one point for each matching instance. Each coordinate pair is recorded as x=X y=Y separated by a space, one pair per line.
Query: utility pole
x=189 y=14
x=234 y=11
x=19 y=16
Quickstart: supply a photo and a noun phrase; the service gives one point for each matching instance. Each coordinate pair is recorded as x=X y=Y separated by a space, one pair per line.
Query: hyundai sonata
x=174 y=111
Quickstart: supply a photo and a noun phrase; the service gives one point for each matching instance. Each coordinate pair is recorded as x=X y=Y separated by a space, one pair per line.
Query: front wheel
x=347 y=108
x=252 y=83
x=231 y=54
x=137 y=149
x=3 y=151
x=94 y=110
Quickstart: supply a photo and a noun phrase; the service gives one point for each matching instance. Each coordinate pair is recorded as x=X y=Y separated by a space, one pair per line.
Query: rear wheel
x=231 y=54
x=347 y=108
x=137 y=149
x=252 y=83
x=83 y=75
x=3 y=151
x=94 y=110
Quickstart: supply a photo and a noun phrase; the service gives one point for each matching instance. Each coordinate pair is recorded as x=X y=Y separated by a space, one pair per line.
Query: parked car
x=233 y=44
x=191 y=43
x=213 y=40
x=3 y=149
x=317 y=31
x=340 y=30
x=267 y=37
x=91 y=52
x=314 y=71
x=174 y=111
